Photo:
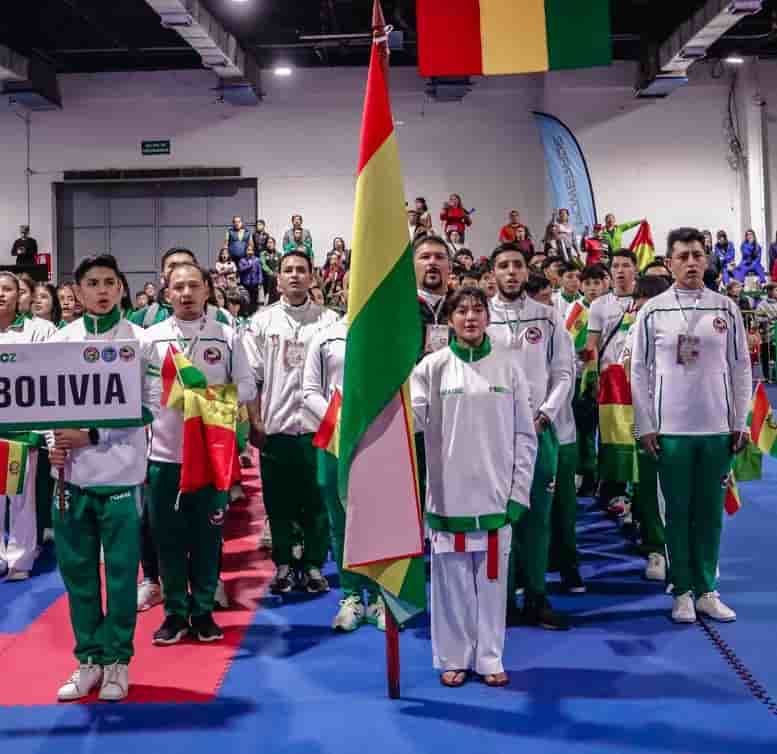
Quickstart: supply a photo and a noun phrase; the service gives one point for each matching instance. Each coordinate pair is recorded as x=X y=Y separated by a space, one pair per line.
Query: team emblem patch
x=91 y=355
x=212 y=355
x=217 y=518
x=720 y=324
x=533 y=334
x=127 y=353
x=109 y=354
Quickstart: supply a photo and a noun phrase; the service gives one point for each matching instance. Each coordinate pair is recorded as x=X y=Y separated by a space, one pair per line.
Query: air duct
x=219 y=50
x=31 y=84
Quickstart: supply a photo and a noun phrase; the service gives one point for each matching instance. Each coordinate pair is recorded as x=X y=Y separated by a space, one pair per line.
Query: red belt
x=492 y=553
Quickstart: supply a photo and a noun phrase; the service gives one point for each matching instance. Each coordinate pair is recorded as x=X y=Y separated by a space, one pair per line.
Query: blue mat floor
x=625 y=679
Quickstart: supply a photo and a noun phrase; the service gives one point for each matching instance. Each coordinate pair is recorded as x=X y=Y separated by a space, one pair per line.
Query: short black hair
x=177 y=250
x=593 y=272
x=649 y=287
x=301 y=255
x=473 y=272
x=626 y=254
x=462 y=252
x=536 y=283
x=568 y=267
x=503 y=249
x=205 y=275
x=683 y=235
x=100 y=260
x=425 y=237
x=551 y=260
x=468 y=291
x=654 y=265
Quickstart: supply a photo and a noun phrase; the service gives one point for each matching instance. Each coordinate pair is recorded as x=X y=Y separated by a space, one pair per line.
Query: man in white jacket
x=469 y=396
x=104 y=470
x=691 y=384
x=541 y=346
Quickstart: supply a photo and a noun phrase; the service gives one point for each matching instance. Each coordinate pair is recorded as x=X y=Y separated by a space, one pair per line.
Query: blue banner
x=568 y=177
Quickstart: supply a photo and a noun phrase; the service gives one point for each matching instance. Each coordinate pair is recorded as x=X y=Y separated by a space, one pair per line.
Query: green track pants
x=91 y=520
x=693 y=470
x=644 y=506
x=351 y=583
x=531 y=535
x=187 y=532
x=292 y=498
x=564 y=512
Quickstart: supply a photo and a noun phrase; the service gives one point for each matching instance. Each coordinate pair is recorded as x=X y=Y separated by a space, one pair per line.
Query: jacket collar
x=471 y=354
x=97 y=324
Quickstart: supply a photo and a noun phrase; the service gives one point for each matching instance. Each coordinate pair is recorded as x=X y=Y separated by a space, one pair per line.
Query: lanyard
x=294 y=326
x=690 y=325
x=188 y=350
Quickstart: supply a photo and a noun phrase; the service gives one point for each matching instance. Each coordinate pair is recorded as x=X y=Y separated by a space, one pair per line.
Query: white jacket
x=277 y=340
x=604 y=316
x=324 y=367
x=542 y=346
x=710 y=396
x=26 y=330
x=473 y=408
x=119 y=458
x=217 y=352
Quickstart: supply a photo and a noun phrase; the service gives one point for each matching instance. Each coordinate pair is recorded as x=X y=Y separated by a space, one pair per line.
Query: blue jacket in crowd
x=250 y=271
x=751 y=262
x=724 y=256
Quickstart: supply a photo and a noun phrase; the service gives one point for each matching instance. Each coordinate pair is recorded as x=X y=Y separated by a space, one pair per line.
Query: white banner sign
x=97 y=383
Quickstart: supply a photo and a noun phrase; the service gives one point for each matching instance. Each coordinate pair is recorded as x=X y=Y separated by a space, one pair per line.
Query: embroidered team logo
x=720 y=324
x=109 y=354
x=217 y=518
x=91 y=355
x=127 y=353
x=212 y=355
x=533 y=335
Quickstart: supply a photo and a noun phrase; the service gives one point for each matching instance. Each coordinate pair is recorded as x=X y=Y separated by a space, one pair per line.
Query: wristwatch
x=94 y=436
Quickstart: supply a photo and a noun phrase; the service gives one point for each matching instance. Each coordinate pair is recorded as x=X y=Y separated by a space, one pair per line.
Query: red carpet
x=186 y=672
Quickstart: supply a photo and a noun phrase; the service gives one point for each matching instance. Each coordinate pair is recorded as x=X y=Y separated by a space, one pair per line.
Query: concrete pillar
x=753 y=107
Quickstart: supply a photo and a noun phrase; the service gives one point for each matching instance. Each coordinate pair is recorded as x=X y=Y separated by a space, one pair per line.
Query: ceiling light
x=734 y=60
x=282 y=70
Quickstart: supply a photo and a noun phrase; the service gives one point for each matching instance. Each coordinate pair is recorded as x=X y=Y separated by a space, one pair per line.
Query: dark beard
x=512 y=296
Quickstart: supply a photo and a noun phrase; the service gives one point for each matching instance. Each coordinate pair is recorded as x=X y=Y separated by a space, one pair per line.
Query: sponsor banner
x=51 y=385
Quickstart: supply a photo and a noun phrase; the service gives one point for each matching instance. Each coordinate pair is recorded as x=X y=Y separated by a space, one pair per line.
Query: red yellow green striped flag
x=643 y=246
x=732 y=502
x=617 y=457
x=328 y=436
x=763 y=427
x=590 y=371
x=494 y=37
x=178 y=374
x=13 y=466
x=577 y=324
x=377 y=473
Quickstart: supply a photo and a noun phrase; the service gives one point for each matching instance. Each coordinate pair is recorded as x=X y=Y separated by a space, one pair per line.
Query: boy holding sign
x=104 y=469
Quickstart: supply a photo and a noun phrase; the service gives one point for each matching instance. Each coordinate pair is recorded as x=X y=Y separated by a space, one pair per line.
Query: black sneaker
x=538 y=612
x=314 y=582
x=205 y=628
x=571 y=582
x=283 y=581
x=171 y=631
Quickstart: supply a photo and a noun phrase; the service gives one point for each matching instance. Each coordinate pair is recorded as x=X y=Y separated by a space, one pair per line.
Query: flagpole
x=392 y=655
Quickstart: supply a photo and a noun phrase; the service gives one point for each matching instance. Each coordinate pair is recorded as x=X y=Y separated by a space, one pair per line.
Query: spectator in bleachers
x=613 y=232
x=271 y=262
x=752 y=254
x=150 y=290
x=251 y=277
x=66 y=295
x=566 y=231
x=24 y=248
x=259 y=238
x=455 y=217
x=296 y=222
x=556 y=245
x=424 y=217
x=509 y=233
x=298 y=243
x=773 y=260
x=734 y=290
x=141 y=300
x=224 y=263
x=412 y=223
x=454 y=241
x=464 y=259
x=238 y=239
x=723 y=253
x=45 y=303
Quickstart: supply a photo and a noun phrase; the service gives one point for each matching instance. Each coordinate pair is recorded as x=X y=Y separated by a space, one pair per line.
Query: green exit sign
x=158 y=146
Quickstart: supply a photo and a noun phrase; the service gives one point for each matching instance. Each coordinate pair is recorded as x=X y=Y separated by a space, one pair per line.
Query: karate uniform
x=277 y=341
x=102 y=508
x=19 y=552
x=480 y=447
x=536 y=337
x=693 y=407
x=187 y=528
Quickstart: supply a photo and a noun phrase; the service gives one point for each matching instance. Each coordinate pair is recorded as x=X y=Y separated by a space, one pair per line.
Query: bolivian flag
x=617 y=457
x=732 y=502
x=13 y=466
x=377 y=473
x=328 y=436
x=577 y=324
x=763 y=427
x=493 y=37
x=178 y=374
x=210 y=439
x=643 y=246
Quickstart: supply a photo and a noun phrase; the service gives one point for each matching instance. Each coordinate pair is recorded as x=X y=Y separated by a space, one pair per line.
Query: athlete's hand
x=57 y=457
x=739 y=441
x=258 y=435
x=71 y=439
x=650 y=444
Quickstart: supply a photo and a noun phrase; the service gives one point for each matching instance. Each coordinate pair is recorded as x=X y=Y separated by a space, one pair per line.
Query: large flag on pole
x=494 y=37
x=643 y=246
x=377 y=470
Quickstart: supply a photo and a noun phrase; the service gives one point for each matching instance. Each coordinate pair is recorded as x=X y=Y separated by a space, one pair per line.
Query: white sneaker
x=709 y=604
x=115 y=683
x=350 y=615
x=682 y=610
x=656 y=567
x=149 y=594
x=81 y=682
x=265 y=541
x=376 y=614
x=14 y=575
x=222 y=601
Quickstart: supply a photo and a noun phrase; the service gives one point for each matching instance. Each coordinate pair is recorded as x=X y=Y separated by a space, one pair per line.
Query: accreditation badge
x=688 y=349
x=436 y=337
x=293 y=354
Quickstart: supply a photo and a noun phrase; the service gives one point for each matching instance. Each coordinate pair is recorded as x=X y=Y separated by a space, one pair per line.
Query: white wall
x=663 y=159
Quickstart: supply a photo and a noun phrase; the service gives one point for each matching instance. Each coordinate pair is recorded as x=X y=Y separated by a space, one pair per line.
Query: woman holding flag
x=189 y=350
x=691 y=383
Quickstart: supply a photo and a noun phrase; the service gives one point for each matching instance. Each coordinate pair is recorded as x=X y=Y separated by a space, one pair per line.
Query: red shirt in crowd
x=509 y=232
x=455 y=218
